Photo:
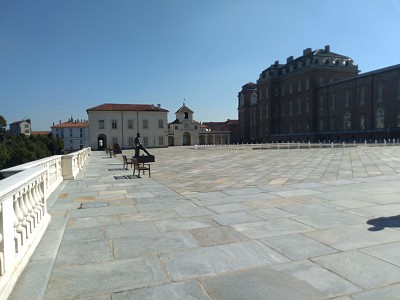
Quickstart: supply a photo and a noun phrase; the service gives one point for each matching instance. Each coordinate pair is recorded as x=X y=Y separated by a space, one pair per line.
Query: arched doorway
x=186 y=139
x=101 y=142
x=171 y=141
x=203 y=139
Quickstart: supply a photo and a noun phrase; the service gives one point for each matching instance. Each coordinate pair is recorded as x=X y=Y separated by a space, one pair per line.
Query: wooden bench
x=140 y=167
x=127 y=162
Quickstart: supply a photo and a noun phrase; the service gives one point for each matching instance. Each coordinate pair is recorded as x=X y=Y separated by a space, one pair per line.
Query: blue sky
x=58 y=58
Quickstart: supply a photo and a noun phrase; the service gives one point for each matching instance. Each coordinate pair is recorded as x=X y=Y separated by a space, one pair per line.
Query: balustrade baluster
x=24 y=211
x=35 y=198
x=37 y=207
x=19 y=230
x=33 y=211
x=28 y=205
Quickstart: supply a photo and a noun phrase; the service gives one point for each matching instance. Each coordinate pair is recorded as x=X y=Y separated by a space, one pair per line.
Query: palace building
x=113 y=123
x=320 y=96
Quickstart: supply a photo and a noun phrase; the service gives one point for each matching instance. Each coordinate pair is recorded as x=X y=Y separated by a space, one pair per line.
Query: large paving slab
x=225 y=224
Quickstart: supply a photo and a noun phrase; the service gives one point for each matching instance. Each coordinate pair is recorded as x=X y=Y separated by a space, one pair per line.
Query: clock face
x=186 y=125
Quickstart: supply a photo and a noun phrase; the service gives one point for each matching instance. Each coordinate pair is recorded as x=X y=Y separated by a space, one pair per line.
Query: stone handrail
x=23 y=209
x=52 y=164
x=73 y=163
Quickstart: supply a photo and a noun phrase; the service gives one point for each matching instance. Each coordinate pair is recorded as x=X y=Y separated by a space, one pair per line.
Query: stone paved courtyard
x=225 y=224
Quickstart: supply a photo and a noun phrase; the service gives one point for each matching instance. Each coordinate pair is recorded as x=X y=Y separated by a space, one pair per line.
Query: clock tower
x=184 y=131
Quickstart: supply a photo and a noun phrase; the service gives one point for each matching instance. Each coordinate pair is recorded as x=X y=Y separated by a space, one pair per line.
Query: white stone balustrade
x=23 y=209
x=73 y=163
x=23 y=221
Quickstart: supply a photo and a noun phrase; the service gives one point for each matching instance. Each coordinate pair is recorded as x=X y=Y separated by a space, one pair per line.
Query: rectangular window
x=321 y=103
x=145 y=141
x=307 y=84
x=362 y=96
x=346 y=100
x=130 y=124
x=114 y=124
x=144 y=124
x=398 y=90
x=379 y=97
x=299 y=86
x=290 y=89
x=299 y=106
x=333 y=101
x=160 y=124
x=130 y=142
x=161 y=140
x=307 y=108
x=290 y=108
x=114 y=140
x=101 y=124
x=176 y=127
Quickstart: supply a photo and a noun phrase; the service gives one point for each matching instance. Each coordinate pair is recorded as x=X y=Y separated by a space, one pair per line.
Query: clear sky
x=60 y=57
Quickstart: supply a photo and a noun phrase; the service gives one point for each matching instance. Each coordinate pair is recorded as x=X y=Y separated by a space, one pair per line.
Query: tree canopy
x=16 y=150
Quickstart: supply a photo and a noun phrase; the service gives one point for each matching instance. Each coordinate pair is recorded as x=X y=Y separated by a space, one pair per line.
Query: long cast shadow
x=383 y=222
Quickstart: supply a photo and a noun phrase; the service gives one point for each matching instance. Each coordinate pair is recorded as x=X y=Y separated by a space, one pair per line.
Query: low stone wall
x=23 y=209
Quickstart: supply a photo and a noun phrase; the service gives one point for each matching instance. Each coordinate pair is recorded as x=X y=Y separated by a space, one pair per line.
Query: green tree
x=3 y=128
x=4 y=156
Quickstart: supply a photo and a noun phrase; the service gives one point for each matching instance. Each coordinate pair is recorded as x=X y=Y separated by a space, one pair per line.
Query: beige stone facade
x=184 y=131
x=119 y=123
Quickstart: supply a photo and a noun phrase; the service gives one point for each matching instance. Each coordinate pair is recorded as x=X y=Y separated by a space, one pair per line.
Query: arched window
x=186 y=115
x=241 y=100
x=380 y=118
x=347 y=121
x=254 y=98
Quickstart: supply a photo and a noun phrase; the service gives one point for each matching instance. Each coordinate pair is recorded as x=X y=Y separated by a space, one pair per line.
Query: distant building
x=75 y=134
x=112 y=123
x=218 y=132
x=320 y=96
x=184 y=131
x=21 y=127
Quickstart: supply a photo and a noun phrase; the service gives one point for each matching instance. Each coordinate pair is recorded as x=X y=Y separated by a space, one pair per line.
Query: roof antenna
x=184 y=101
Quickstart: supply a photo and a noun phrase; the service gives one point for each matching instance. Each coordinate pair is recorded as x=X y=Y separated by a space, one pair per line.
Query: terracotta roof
x=71 y=125
x=40 y=132
x=126 y=107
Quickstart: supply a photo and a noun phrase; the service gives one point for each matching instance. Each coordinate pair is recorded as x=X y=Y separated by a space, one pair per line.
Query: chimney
x=327 y=48
x=159 y=105
x=276 y=63
x=289 y=59
x=306 y=51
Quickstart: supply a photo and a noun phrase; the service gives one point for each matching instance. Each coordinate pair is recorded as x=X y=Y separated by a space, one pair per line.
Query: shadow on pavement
x=383 y=222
